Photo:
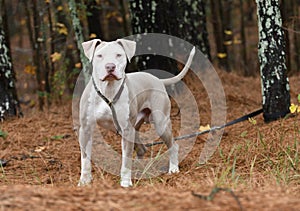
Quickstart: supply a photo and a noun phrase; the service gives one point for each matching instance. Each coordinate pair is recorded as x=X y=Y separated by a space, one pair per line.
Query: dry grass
x=258 y=162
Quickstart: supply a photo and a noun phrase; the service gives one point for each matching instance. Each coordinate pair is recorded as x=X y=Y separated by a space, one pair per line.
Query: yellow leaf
x=60 y=25
x=237 y=41
x=63 y=31
x=59 y=8
x=78 y=65
x=40 y=149
x=294 y=108
x=222 y=55
x=93 y=35
x=29 y=69
x=55 y=57
x=204 y=128
x=228 y=32
x=252 y=121
x=70 y=46
x=23 y=22
x=229 y=42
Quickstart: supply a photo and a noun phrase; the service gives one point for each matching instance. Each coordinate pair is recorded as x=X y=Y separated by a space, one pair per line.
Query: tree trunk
x=155 y=16
x=34 y=26
x=79 y=39
x=191 y=30
x=243 y=49
x=9 y=105
x=287 y=13
x=218 y=30
x=296 y=6
x=47 y=65
x=271 y=52
x=37 y=53
x=124 y=12
x=176 y=18
x=93 y=19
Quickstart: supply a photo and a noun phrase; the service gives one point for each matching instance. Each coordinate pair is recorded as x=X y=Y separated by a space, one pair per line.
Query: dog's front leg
x=127 y=152
x=85 y=141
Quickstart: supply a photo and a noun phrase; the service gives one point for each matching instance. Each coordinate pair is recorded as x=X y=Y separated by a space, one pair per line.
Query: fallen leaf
x=40 y=149
x=252 y=121
x=293 y=108
x=204 y=128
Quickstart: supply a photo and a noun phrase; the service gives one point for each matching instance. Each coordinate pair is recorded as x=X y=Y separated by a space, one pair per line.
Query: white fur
x=141 y=91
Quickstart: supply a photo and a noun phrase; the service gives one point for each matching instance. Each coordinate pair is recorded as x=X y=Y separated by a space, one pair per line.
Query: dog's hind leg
x=164 y=130
x=139 y=147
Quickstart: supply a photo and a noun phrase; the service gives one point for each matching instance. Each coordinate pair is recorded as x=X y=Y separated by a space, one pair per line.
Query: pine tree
x=271 y=52
x=79 y=39
x=219 y=35
x=9 y=105
x=181 y=18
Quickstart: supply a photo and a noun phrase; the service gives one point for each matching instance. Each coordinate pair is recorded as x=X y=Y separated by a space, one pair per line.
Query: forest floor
x=256 y=166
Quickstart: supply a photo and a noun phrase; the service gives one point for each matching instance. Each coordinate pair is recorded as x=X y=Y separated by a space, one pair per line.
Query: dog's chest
x=103 y=113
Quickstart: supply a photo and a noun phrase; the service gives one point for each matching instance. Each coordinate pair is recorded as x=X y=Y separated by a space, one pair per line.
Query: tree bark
x=296 y=41
x=93 y=19
x=79 y=39
x=192 y=24
x=154 y=16
x=218 y=30
x=287 y=13
x=9 y=105
x=271 y=52
x=183 y=19
x=243 y=49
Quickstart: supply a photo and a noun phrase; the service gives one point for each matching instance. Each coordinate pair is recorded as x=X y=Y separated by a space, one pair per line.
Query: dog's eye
x=100 y=56
x=119 y=55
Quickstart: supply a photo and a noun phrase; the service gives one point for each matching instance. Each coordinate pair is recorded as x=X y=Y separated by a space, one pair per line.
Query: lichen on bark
x=271 y=52
x=9 y=105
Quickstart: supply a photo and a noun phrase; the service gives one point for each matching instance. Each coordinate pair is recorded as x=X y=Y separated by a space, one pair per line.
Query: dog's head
x=109 y=59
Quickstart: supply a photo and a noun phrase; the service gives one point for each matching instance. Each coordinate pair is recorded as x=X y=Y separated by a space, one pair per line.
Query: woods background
x=45 y=55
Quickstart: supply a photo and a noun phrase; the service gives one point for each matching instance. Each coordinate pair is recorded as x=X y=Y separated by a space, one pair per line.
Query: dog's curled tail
x=177 y=78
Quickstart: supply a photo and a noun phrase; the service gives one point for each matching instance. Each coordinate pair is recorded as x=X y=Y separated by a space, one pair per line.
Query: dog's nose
x=110 y=67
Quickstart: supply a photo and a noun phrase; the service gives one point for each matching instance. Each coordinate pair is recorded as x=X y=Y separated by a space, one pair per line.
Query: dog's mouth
x=111 y=77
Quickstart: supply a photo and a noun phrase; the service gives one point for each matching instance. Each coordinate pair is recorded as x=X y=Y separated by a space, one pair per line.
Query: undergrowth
x=262 y=155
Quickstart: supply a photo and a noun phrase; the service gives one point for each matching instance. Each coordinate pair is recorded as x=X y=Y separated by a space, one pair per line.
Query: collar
x=111 y=103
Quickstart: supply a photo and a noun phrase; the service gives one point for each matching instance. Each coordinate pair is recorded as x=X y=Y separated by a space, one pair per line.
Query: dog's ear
x=129 y=47
x=89 y=48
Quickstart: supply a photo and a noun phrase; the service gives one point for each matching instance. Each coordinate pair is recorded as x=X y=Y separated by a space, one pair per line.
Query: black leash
x=241 y=119
x=111 y=103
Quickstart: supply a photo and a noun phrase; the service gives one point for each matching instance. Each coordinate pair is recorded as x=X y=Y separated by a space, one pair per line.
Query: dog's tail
x=177 y=78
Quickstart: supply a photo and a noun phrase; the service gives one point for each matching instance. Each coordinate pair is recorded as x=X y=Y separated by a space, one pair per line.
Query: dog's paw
x=85 y=180
x=173 y=169
x=126 y=183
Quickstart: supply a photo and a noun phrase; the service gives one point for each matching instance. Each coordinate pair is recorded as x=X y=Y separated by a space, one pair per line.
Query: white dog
x=122 y=102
